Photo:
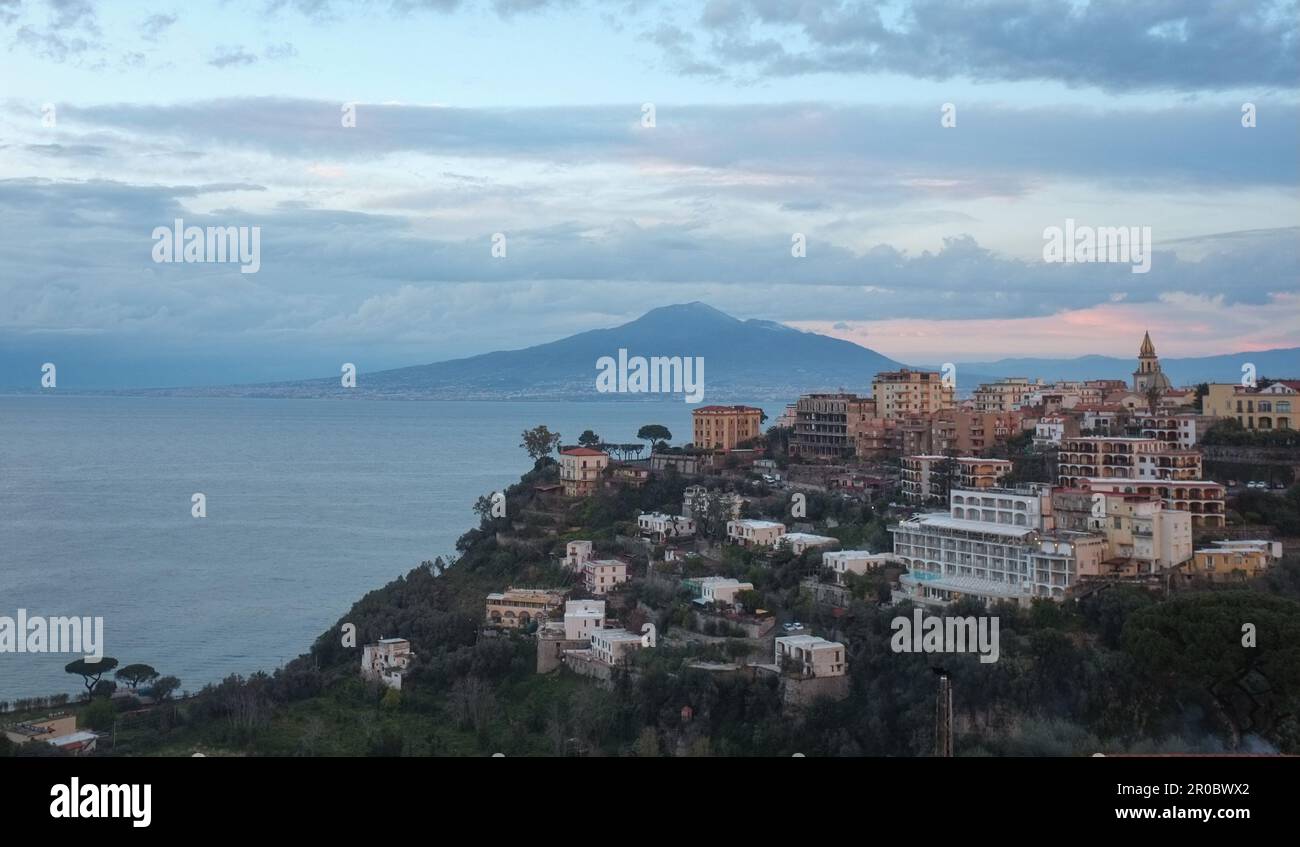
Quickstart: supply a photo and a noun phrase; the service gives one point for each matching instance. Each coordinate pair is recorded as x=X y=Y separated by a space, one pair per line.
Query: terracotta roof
x=581 y=451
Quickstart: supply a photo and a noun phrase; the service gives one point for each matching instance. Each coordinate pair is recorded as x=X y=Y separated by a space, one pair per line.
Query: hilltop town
x=733 y=594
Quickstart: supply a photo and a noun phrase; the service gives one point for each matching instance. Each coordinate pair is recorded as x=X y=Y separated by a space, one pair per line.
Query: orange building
x=723 y=427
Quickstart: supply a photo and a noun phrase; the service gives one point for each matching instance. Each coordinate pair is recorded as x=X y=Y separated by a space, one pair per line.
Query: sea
x=309 y=505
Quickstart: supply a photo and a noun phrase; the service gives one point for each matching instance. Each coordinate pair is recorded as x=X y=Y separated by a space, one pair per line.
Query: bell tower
x=1148 y=374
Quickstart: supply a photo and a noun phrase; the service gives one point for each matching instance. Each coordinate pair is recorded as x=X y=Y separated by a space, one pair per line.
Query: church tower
x=1148 y=374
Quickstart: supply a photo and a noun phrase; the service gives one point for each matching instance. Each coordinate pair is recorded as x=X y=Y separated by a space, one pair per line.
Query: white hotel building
x=992 y=544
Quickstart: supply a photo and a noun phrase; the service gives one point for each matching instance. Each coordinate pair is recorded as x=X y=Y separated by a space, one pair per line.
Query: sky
x=919 y=150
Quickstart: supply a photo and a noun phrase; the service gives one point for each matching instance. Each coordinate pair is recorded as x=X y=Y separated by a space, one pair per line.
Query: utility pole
x=943 y=716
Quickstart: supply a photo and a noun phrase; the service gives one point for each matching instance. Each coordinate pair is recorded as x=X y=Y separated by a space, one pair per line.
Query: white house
x=719 y=589
x=612 y=646
x=659 y=526
x=582 y=617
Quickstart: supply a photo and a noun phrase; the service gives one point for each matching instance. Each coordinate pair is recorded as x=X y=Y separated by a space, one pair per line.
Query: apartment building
x=658 y=526
x=1145 y=466
x=844 y=562
x=904 y=393
x=811 y=655
x=1202 y=499
x=1006 y=395
x=519 y=607
x=1136 y=527
x=582 y=617
x=724 y=427
x=600 y=576
x=581 y=469
x=1256 y=409
x=1125 y=457
x=826 y=425
x=927 y=478
x=1232 y=561
x=997 y=544
x=754 y=533
x=977 y=474
x=1182 y=430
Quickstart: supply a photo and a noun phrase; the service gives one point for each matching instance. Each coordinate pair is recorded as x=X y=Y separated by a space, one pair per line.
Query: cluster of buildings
x=1037 y=541
x=1128 y=494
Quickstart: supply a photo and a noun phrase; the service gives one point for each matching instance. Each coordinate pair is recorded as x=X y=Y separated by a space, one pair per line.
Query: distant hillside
x=1281 y=363
x=743 y=360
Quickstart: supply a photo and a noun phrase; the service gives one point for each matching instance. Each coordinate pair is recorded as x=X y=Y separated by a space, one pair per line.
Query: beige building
x=811 y=655
x=1006 y=395
x=1136 y=527
x=1122 y=457
x=1202 y=499
x=1226 y=562
x=717 y=589
x=1256 y=409
x=844 y=562
x=577 y=554
x=519 y=607
x=754 y=533
x=386 y=660
x=976 y=474
x=600 y=576
x=798 y=542
x=724 y=427
x=899 y=394
x=581 y=469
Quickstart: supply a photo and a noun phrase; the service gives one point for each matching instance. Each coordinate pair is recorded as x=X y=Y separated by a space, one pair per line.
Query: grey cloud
x=1116 y=45
x=226 y=56
x=995 y=151
x=155 y=25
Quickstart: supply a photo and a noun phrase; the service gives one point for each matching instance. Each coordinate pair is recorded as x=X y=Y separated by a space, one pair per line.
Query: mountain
x=1279 y=363
x=743 y=360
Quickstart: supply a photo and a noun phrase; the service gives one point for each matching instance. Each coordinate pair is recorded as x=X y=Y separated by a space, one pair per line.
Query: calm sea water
x=310 y=504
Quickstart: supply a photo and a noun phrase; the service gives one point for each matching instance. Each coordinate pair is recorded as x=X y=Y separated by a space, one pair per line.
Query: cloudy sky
x=526 y=118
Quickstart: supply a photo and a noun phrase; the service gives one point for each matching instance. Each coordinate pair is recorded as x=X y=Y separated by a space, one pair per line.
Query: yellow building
x=1256 y=409
x=724 y=427
x=1228 y=561
x=900 y=394
x=518 y=607
x=581 y=469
